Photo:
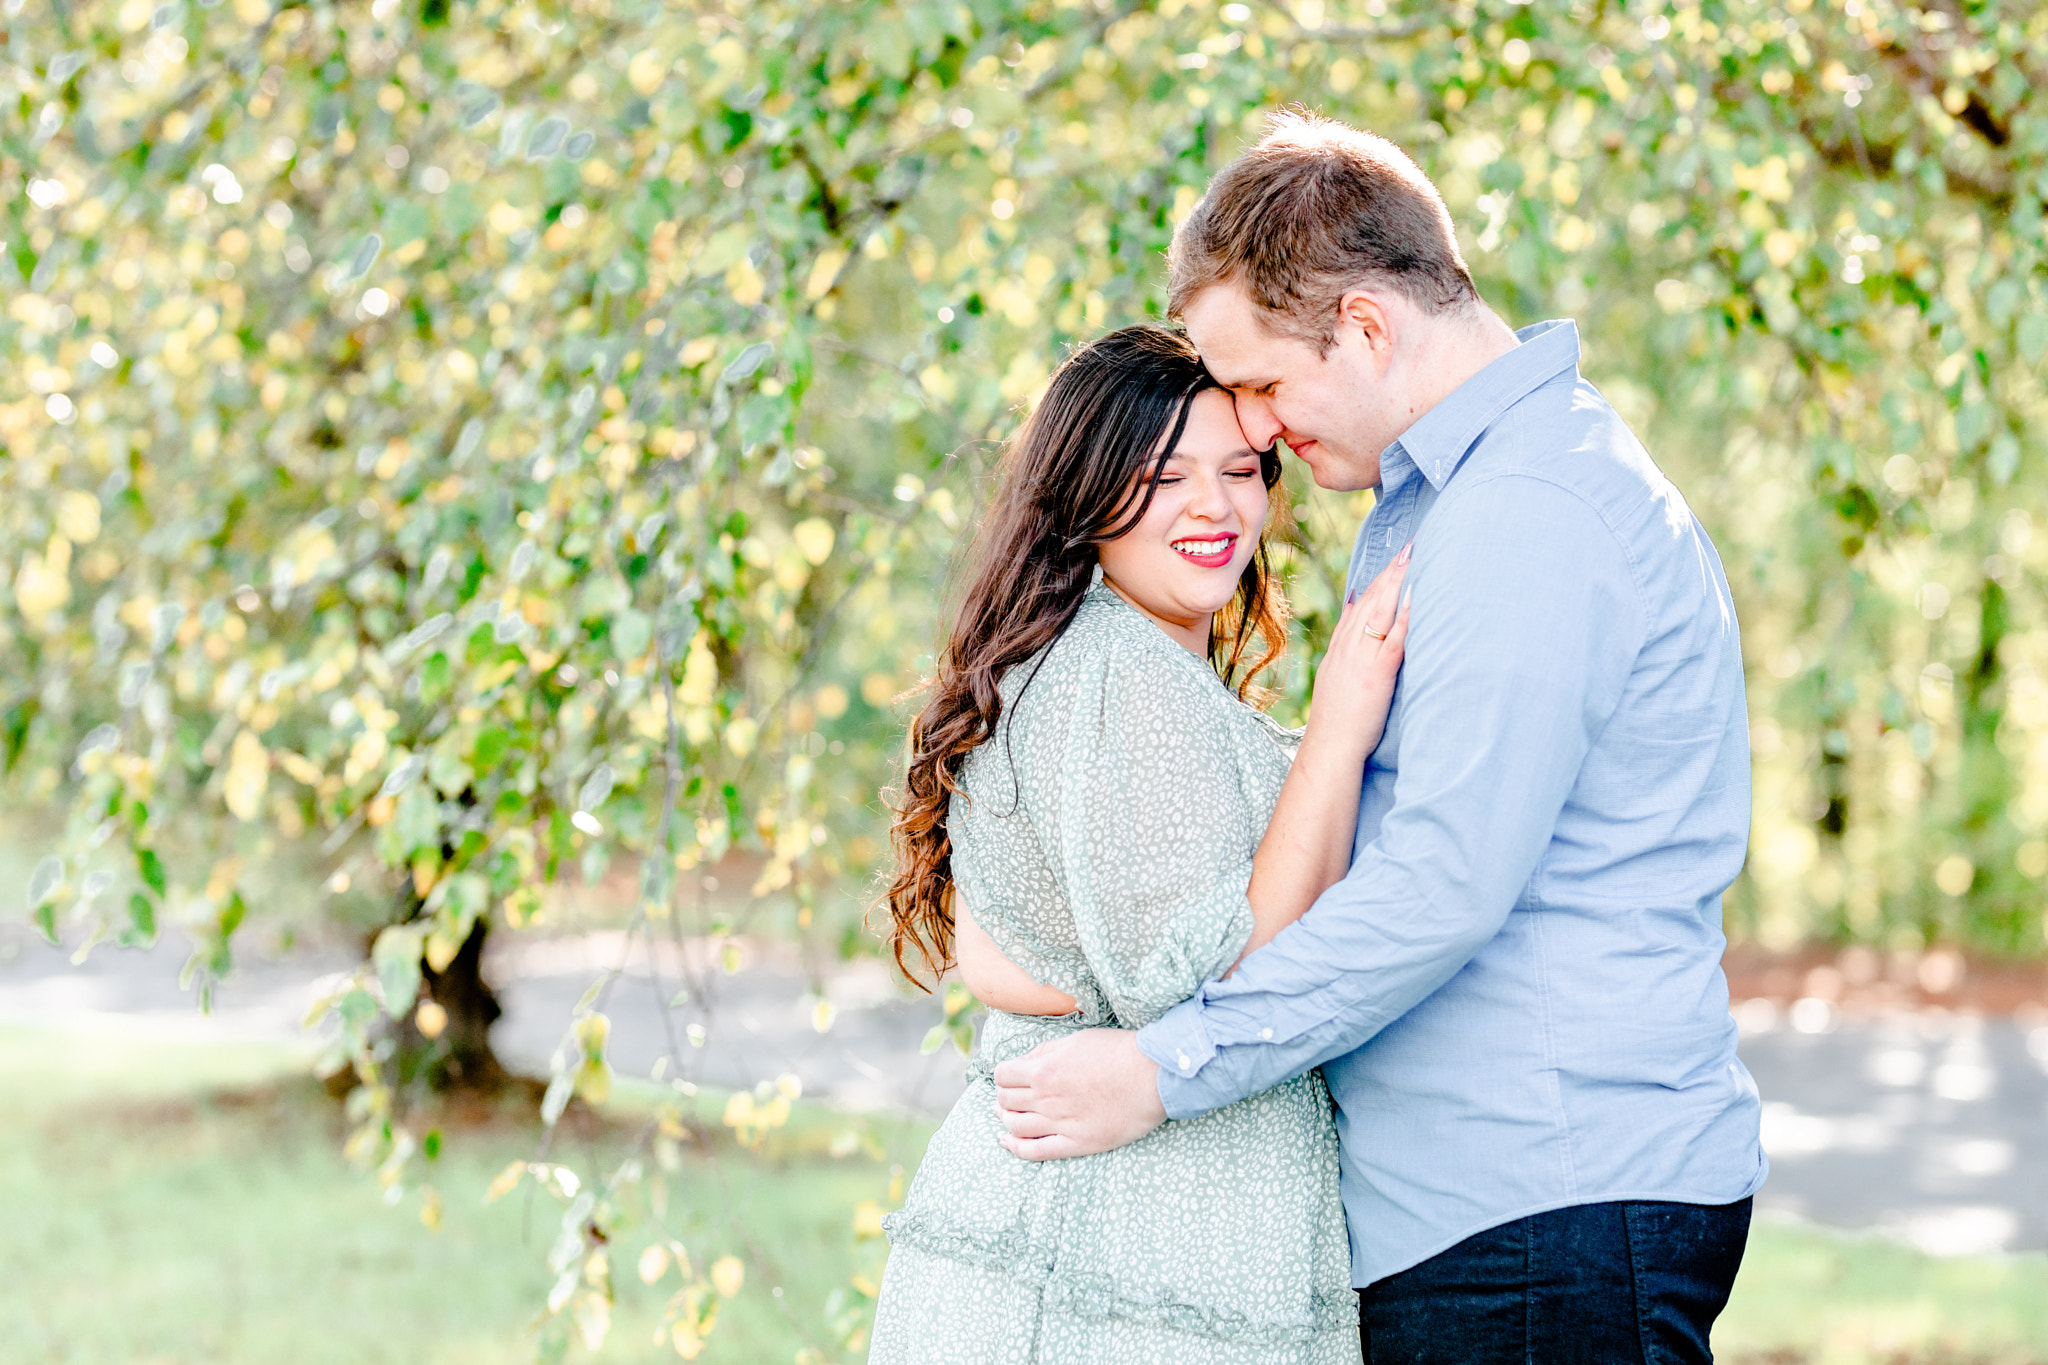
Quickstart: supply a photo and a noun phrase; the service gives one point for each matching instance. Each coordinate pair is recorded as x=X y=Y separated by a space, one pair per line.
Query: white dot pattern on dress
x=1104 y=842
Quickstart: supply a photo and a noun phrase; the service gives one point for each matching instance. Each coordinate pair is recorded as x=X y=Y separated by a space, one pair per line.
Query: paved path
x=1929 y=1125
x=1932 y=1126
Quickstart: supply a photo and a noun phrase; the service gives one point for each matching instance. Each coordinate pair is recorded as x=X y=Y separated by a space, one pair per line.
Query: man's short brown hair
x=1315 y=209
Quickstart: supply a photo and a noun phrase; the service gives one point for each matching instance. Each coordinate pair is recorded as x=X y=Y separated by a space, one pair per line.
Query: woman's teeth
x=1202 y=549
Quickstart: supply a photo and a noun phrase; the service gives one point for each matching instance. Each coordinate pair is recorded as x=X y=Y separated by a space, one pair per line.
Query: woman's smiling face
x=1181 y=563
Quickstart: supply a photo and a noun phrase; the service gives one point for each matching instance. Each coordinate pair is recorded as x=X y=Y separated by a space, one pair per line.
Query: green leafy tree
x=479 y=441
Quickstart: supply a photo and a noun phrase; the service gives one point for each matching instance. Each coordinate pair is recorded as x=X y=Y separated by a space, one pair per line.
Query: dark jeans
x=1598 y=1284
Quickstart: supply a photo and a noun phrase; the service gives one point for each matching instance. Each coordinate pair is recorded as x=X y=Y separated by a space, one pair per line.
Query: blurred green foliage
x=484 y=437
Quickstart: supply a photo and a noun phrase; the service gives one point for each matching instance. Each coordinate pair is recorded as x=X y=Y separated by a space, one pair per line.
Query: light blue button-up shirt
x=1516 y=993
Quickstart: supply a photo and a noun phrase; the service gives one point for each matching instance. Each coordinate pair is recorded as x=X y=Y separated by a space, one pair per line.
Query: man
x=1549 y=1146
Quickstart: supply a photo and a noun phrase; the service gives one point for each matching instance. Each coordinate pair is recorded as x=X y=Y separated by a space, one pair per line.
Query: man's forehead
x=1238 y=351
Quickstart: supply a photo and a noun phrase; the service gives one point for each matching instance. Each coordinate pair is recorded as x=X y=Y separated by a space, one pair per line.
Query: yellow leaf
x=741 y=734
x=299 y=769
x=430 y=1018
x=503 y=1184
x=593 y=1320
x=746 y=284
x=831 y=701
x=441 y=949
x=44 y=583
x=683 y=1336
x=644 y=73
x=774 y=876
x=876 y=689
x=1027 y=373
x=727 y=1275
x=824 y=271
x=78 y=517
x=814 y=537
x=867 y=1219
x=430 y=1210
x=594 y=1082
x=700 y=674
x=653 y=1262
x=248 y=777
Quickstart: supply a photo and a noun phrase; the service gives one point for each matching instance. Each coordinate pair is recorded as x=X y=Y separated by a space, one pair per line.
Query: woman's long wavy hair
x=1082 y=471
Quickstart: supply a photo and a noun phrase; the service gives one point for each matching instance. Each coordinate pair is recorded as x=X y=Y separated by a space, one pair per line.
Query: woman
x=1091 y=776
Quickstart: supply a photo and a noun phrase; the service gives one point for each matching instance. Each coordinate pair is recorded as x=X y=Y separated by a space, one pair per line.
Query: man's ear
x=1369 y=322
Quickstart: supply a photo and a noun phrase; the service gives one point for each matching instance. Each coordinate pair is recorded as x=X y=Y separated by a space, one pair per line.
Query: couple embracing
x=1405 y=1032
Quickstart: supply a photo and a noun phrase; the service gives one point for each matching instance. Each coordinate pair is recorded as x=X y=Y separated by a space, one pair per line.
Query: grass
x=173 y=1204
x=1815 y=1297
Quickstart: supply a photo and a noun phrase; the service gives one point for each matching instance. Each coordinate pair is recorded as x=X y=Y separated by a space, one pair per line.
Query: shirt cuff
x=1178 y=1041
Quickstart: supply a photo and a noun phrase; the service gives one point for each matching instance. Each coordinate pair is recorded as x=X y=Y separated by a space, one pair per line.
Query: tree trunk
x=460 y=1058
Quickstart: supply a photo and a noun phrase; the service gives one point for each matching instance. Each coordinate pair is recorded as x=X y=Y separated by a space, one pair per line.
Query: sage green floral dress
x=1104 y=840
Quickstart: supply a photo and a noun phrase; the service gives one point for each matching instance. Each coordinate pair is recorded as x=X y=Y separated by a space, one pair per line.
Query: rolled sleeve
x=1526 y=619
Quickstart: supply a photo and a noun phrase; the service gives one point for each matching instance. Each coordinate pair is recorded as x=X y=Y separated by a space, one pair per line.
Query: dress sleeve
x=1147 y=819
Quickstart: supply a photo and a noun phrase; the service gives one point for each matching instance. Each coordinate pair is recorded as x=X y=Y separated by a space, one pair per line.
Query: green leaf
x=396 y=956
x=142 y=917
x=44 y=881
x=2031 y=335
x=492 y=743
x=152 y=868
x=631 y=633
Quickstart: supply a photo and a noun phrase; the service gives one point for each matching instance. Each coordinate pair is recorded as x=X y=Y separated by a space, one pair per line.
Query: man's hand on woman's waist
x=1091 y=1092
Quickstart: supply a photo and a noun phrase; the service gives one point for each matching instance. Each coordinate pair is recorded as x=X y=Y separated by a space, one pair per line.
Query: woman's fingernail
x=1405 y=549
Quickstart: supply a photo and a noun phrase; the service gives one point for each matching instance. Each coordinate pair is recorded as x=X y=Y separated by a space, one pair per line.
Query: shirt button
x=1266 y=1034
x=1185 y=1064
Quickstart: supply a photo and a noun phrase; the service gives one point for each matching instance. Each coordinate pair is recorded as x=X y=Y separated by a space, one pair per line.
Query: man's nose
x=1255 y=417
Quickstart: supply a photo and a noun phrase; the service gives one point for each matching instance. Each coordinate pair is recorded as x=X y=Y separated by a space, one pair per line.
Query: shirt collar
x=1438 y=439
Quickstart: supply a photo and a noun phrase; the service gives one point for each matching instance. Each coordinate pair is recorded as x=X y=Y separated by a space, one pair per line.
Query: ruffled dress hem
x=1098 y=1297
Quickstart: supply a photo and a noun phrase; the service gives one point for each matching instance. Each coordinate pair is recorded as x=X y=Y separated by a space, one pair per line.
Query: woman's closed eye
x=1240 y=474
